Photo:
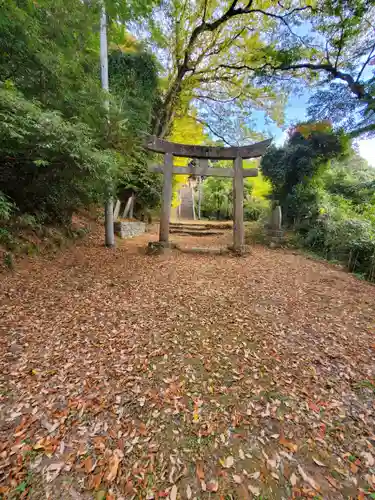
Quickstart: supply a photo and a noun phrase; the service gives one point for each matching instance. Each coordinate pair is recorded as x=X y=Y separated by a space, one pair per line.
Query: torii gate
x=205 y=153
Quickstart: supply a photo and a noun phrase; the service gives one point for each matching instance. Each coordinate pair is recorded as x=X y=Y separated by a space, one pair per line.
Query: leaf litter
x=181 y=376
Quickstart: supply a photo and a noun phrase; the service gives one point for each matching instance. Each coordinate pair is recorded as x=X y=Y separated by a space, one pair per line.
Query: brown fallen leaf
x=318 y=462
x=333 y=482
x=293 y=479
x=288 y=444
x=370 y=461
x=129 y=487
x=353 y=468
x=199 y=470
x=88 y=465
x=114 y=462
x=142 y=429
x=308 y=479
x=212 y=485
x=173 y=493
x=95 y=481
x=254 y=490
x=53 y=470
x=228 y=462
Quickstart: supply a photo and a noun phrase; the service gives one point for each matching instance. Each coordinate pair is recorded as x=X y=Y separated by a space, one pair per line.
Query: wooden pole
x=117 y=210
x=166 y=199
x=131 y=211
x=238 y=225
x=127 y=207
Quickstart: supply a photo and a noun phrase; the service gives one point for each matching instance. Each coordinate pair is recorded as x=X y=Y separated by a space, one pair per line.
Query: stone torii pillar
x=236 y=154
x=238 y=223
x=166 y=199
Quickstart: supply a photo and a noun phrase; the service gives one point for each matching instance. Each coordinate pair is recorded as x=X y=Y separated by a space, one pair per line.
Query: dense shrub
x=350 y=241
x=256 y=209
x=49 y=166
x=327 y=194
x=60 y=148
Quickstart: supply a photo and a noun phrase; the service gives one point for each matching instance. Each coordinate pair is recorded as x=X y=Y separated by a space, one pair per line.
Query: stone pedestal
x=274 y=232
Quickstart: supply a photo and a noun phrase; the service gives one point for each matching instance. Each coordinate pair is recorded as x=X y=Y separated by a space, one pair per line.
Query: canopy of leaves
x=327 y=194
x=187 y=130
x=230 y=57
x=335 y=49
x=50 y=51
x=206 y=48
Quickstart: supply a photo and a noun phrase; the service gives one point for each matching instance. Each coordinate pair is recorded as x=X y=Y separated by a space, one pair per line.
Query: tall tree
x=206 y=47
x=292 y=168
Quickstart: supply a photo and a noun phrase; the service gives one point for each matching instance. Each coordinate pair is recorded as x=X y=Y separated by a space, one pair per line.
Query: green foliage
x=6 y=238
x=334 y=52
x=50 y=166
x=133 y=79
x=259 y=186
x=348 y=240
x=217 y=198
x=8 y=261
x=6 y=207
x=256 y=209
x=208 y=50
x=301 y=161
x=135 y=97
x=139 y=180
x=59 y=149
x=50 y=51
x=331 y=204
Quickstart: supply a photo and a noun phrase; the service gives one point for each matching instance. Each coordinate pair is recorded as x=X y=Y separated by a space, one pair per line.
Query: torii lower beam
x=204 y=171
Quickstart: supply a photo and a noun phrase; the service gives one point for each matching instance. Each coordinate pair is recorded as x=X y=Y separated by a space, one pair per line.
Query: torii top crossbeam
x=157 y=145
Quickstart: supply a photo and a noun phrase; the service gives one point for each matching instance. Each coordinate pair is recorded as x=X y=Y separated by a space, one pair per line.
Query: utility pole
x=108 y=212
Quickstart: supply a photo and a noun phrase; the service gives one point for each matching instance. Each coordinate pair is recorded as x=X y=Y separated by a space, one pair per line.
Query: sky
x=296 y=110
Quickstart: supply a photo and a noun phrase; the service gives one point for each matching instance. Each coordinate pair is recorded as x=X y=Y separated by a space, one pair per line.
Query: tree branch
x=354 y=86
x=340 y=46
x=363 y=130
x=366 y=63
x=204 y=11
x=205 y=124
x=209 y=98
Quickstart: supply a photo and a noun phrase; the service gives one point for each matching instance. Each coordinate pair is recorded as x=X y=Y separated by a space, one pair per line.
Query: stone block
x=127 y=229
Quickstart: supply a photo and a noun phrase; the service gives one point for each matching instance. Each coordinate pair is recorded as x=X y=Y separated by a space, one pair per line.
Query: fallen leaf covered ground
x=185 y=376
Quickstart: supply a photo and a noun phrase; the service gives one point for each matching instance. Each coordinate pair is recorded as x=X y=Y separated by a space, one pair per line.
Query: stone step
x=200 y=226
x=195 y=233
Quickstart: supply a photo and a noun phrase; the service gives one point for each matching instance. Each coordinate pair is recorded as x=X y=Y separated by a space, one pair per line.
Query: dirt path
x=185 y=376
